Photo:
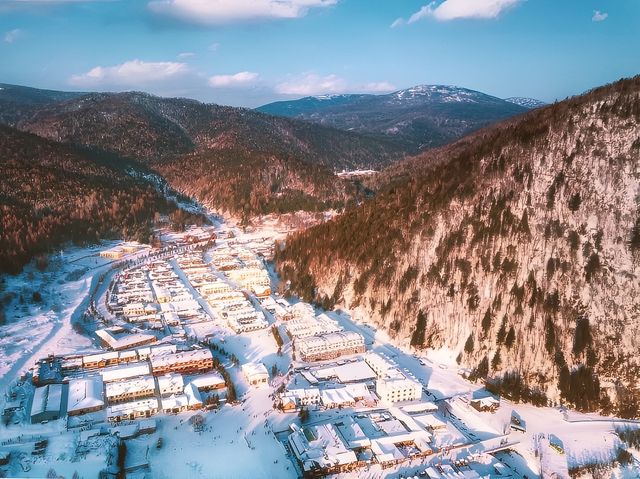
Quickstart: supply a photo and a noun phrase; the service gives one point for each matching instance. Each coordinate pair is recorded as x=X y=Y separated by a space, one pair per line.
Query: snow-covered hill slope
x=518 y=248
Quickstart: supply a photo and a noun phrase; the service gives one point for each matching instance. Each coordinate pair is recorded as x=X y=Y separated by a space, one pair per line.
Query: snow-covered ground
x=246 y=440
x=35 y=328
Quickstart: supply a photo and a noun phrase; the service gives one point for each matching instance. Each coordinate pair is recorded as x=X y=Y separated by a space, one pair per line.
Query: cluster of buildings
x=392 y=385
x=244 y=268
x=130 y=384
x=386 y=437
x=348 y=395
x=229 y=304
x=119 y=252
x=302 y=322
x=193 y=235
x=364 y=382
x=318 y=337
x=329 y=345
x=153 y=296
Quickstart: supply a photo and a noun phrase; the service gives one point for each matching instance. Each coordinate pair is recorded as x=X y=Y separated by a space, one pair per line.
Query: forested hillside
x=244 y=184
x=150 y=128
x=52 y=193
x=517 y=248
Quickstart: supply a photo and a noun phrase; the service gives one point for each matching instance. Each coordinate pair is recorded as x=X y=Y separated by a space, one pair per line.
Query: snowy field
x=36 y=328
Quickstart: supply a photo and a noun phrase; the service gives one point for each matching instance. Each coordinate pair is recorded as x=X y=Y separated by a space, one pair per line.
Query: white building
x=132 y=410
x=306 y=326
x=256 y=374
x=130 y=389
x=378 y=363
x=125 y=371
x=191 y=399
x=398 y=388
x=329 y=346
x=169 y=384
x=392 y=385
x=295 y=398
x=85 y=395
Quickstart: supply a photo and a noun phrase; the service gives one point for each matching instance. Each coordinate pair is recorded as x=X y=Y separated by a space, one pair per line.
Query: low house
x=125 y=371
x=256 y=374
x=47 y=403
x=112 y=253
x=197 y=360
x=208 y=382
x=130 y=389
x=337 y=398
x=191 y=399
x=295 y=398
x=85 y=395
x=170 y=384
x=485 y=404
x=117 y=342
x=132 y=410
x=100 y=360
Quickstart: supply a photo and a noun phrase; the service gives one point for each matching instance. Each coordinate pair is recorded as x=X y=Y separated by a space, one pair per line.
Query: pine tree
x=417 y=338
x=511 y=338
x=524 y=223
x=486 y=321
x=582 y=335
x=634 y=238
x=496 y=361
x=574 y=202
x=550 y=335
x=468 y=346
x=502 y=332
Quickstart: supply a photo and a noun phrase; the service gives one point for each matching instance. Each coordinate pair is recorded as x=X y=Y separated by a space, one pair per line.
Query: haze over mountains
x=420 y=117
x=515 y=248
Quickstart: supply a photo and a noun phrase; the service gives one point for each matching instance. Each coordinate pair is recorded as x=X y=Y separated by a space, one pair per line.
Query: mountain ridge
x=423 y=116
x=517 y=249
x=146 y=127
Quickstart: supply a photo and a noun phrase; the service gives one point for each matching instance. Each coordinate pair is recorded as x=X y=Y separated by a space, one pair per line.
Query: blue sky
x=250 y=52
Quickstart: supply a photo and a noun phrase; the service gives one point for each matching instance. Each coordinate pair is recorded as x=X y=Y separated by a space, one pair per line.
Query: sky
x=252 y=52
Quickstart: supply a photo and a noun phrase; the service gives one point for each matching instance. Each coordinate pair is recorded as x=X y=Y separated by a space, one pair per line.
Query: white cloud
x=214 y=47
x=184 y=55
x=130 y=74
x=458 y=9
x=599 y=16
x=12 y=35
x=216 y=12
x=310 y=84
x=397 y=22
x=378 y=87
x=237 y=79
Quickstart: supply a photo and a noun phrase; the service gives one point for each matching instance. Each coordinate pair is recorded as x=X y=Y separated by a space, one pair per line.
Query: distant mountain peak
x=439 y=93
x=529 y=103
x=418 y=117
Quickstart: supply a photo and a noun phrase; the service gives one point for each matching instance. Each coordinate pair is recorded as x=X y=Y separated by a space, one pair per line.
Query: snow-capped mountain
x=529 y=103
x=419 y=117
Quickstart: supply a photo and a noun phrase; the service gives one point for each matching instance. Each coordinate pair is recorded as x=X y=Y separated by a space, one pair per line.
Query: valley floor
x=251 y=438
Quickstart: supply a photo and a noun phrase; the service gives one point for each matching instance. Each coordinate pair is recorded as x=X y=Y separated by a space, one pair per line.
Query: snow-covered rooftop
x=85 y=393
